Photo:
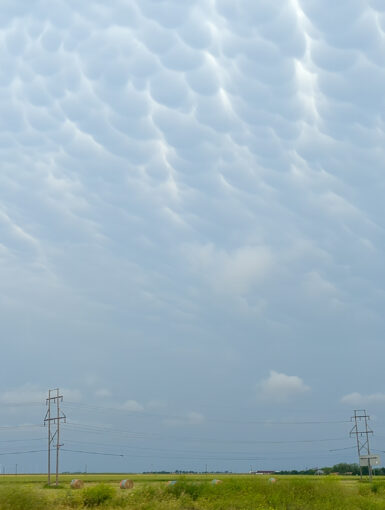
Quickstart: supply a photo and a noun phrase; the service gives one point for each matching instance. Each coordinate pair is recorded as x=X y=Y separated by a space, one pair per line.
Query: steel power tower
x=362 y=431
x=53 y=422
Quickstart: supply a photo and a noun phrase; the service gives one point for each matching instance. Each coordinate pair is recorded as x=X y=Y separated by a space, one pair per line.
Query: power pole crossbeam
x=54 y=421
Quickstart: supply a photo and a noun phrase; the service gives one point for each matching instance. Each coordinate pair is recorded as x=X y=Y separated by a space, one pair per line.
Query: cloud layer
x=144 y=134
x=191 y=192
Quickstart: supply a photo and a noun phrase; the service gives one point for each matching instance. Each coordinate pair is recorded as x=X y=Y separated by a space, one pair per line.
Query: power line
x=195 y=458
x=153 y=449
x=22 y=440
x=340 y=449
x=22 y=452
x=22 y=404
x=100 y=429
x=165 y=453
x=148 y=449
x=94 y=453
x=24 y=426
x=251 y=421
x=63 y=449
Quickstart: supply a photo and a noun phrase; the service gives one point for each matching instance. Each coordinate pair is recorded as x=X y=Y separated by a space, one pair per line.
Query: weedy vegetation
x=196 y=492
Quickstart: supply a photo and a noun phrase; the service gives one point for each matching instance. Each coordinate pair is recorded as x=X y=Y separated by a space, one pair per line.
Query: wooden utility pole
x=52 y=436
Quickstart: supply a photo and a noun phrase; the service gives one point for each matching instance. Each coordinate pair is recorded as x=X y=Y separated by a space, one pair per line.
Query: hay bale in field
x=171 y=482
x=216 y=482
x=76 y=484
x=126 y=484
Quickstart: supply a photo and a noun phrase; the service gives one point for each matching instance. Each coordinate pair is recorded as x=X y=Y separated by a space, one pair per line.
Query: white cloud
x=358 y=399
x=279 y=387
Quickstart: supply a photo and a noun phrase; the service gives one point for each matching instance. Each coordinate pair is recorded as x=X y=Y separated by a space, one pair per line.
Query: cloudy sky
x=192 y=230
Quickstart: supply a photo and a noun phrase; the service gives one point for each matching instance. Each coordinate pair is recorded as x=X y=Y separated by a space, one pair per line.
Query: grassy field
x=195 y=492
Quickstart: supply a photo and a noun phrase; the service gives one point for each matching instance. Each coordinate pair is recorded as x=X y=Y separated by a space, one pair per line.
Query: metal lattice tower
x=53 y=422
x=362 y=432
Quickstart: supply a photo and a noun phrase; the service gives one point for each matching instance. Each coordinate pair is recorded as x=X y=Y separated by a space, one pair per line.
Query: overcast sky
x=192 y=229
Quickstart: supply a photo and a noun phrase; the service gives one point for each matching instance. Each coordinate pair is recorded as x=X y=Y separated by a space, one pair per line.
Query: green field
x=193 y=492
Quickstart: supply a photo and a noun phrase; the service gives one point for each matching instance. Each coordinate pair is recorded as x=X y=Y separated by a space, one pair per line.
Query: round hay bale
x=126 y=484
x=171 y=482
x=216 y=482
x=272 y=480
x=76 y=484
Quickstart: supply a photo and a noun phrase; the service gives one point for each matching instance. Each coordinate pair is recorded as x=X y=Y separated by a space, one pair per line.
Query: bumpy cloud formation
x=166 y=163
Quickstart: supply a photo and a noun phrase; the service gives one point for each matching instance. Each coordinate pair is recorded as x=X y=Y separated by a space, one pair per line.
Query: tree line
x=341 y=469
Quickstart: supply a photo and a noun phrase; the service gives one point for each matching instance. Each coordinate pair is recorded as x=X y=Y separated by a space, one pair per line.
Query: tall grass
x=197 y=493
x=22 y=498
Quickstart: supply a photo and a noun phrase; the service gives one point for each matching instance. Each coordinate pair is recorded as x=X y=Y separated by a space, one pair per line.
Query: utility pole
x=362 y=431
x=55 y=399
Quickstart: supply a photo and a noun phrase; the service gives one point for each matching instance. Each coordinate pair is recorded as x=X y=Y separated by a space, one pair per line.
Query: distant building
x=319 y=472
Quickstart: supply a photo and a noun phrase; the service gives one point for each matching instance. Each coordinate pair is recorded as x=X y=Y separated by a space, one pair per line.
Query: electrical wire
x=62 y=449
x=16 y=427
x=127 y=447
x=92 y=453
x=166 y=453
x=22 y=404
x=183 y=451
x=251 y=421
x=100 y=429
x=22 y=452
x=339 y=449
x=23 y=440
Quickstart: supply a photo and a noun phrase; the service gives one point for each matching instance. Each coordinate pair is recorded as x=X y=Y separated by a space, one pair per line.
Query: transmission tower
x=362 y=431
x=53 y=422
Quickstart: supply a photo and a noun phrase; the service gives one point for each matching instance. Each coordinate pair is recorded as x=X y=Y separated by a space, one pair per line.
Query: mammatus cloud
x=358 y=399
x=161 y=147
x=218 y=116
x=279 y=387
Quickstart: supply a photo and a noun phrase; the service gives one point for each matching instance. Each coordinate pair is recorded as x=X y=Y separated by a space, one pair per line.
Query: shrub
x=97 y=495
x=183 y=486
x=378 y=487
x=72 y=499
